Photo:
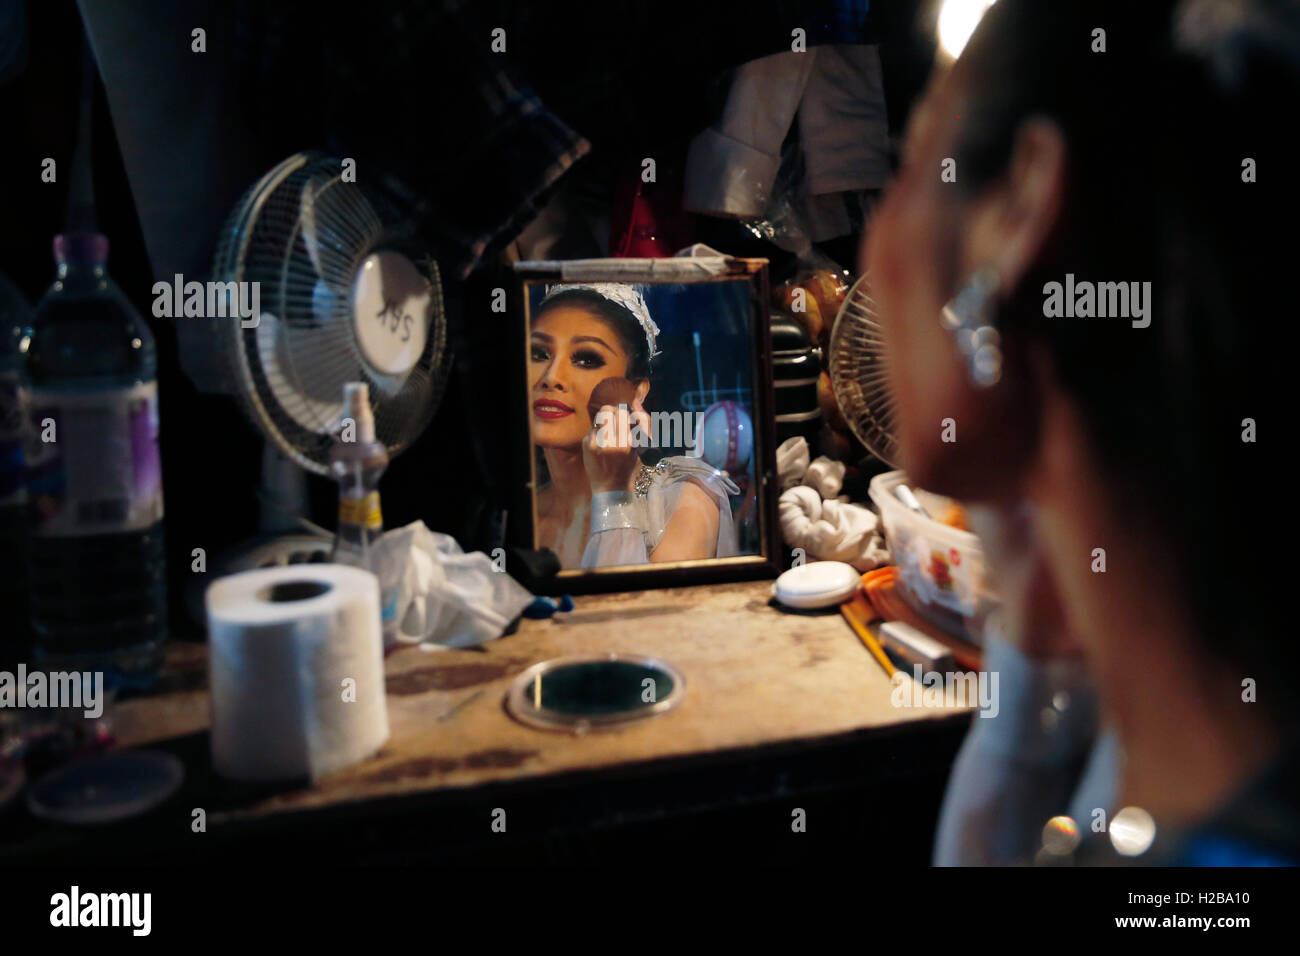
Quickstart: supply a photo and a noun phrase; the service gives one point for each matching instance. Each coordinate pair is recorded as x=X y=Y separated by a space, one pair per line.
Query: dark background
x=625 y=76
x=625 y=79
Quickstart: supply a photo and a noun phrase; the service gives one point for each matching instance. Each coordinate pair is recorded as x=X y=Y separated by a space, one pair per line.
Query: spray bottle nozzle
x=356 y=406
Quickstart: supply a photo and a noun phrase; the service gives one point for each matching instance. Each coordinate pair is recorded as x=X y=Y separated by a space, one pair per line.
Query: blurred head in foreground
x=1109 y=219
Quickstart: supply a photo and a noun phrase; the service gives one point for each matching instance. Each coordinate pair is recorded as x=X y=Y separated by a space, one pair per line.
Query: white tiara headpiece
x=621 y=293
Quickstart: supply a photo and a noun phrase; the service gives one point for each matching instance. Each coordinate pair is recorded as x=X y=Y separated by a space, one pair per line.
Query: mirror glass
x=641 y=405
x=589 y=693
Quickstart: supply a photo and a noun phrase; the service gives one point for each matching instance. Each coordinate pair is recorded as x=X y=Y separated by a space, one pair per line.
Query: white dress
x=624 y=546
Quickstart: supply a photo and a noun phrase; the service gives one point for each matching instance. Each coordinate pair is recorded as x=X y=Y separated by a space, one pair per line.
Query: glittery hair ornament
x=628 y=296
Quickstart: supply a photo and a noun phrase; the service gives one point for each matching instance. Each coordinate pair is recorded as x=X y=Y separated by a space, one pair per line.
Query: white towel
x=832 y=530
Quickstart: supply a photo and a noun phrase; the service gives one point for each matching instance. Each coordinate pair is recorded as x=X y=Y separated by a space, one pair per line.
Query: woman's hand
x=1032 y=615
x=610 y=450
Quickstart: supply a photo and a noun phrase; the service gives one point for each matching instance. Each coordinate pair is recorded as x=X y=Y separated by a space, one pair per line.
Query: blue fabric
x=1016 y=770
x=837 y=21
x=1213 y=849
x=13 y=39
x=543 y=607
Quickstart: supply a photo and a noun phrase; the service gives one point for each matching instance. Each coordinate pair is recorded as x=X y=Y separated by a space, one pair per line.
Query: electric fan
x=346 y=293
x=857 y=370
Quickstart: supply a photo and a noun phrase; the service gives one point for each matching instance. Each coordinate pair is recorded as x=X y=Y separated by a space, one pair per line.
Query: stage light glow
x=1132 y=831
x=957 y=21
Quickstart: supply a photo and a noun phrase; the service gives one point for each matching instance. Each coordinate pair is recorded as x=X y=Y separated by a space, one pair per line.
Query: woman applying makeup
x=1119 y=143
x=601 y=506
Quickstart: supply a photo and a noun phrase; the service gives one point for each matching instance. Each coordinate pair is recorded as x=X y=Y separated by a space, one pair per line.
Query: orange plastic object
x=881 y=587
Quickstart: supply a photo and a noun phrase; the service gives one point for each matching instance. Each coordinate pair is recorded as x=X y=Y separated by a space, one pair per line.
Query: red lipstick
x=550 y=409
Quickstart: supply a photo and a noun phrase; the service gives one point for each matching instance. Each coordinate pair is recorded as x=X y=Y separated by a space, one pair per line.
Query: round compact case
x=817 y=584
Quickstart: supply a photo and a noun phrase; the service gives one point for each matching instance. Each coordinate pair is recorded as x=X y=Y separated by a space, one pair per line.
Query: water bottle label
x=12 y=484
x=92 y=461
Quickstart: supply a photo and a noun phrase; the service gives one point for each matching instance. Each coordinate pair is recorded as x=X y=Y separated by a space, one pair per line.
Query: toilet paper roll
x=296 y=670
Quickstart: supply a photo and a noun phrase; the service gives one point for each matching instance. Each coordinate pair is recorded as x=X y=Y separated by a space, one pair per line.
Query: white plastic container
x=817 y=584
x=940 y=568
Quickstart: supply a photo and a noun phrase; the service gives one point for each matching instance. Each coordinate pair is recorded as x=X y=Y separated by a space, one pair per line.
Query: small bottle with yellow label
x=357 y=462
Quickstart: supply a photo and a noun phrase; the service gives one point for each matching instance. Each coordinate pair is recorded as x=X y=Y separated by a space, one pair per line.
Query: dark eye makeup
x=582 y=358
x=586 y=358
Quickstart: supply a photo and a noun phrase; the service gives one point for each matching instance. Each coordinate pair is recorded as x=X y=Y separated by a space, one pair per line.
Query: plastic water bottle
x=98 y=577
x=15 y=329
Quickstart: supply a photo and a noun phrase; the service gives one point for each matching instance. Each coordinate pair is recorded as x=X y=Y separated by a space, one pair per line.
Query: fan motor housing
x=390 y=307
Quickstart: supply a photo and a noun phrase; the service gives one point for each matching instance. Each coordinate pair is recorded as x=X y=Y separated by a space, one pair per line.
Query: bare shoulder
x=692 y=529
x=694 y=495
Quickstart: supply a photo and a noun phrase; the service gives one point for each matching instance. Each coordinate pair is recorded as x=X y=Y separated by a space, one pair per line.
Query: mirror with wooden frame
x=648 y=421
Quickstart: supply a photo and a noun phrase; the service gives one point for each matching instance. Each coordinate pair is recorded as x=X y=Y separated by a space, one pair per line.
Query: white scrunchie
x=832 y=530
x=792 y=461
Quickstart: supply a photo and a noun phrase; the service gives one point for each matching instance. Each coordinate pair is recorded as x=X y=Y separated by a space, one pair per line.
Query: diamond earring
x=967 y=317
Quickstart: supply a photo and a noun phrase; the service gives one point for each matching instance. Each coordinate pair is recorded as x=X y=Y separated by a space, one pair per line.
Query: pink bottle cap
x=80 y=247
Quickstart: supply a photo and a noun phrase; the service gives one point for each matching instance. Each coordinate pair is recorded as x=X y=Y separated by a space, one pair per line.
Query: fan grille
x=858 y=375
x=303 y=234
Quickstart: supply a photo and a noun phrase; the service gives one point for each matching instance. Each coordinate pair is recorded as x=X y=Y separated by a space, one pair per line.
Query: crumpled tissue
x=443 y=595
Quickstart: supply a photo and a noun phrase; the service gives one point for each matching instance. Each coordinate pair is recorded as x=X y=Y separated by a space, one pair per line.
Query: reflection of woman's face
x=571 y=350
